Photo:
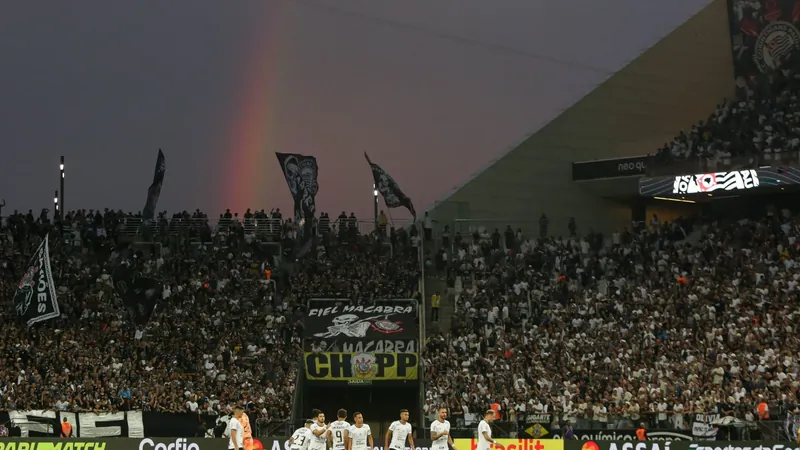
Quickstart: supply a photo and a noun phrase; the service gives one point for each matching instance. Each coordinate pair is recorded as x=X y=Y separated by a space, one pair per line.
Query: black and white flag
x=301 y=176
x=154 y=191
x=35 y=299
x=393 y=196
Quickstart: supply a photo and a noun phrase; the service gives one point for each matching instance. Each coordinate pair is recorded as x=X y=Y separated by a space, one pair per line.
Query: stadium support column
x=61 y=190
x=421 y=343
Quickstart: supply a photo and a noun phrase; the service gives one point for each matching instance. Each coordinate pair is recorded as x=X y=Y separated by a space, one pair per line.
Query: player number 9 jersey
x=359 y=436
x=337 y=433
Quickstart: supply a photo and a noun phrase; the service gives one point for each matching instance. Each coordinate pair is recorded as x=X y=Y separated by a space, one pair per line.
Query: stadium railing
x=660 y=165
x=134 y=226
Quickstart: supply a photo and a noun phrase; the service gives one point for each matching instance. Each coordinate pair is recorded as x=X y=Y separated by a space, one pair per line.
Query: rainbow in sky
x=250 y=136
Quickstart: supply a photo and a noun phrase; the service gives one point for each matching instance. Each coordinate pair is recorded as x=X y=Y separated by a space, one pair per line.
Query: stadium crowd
x=228 y=328
x=760 y=121
x=655 y=325
x=221 y=336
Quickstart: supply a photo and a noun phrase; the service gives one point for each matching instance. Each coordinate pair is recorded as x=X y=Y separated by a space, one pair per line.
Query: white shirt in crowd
x=400 y=432
x=483 y=443
x=301 y=438
x=235 y=425
x=359 y=436
x=337 y=433
x=318 y=442
x=440 y=427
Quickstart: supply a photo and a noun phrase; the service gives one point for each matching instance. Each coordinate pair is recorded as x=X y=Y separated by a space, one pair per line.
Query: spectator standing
x=436 y=300
x=3 y=431
x=66 y=429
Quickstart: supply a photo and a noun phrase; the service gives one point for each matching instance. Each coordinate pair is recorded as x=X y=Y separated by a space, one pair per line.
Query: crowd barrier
x=112 y=444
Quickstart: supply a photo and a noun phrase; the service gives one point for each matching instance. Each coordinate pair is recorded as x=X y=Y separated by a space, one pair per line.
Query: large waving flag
x=301 y=173
x=35 y=299
x=149 y=211
x=389 y=189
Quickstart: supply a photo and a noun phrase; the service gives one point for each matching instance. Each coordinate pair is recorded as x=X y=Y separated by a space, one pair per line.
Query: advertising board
x=512 y=444
x=353 y=367
x=112 y=444
x=678 y=445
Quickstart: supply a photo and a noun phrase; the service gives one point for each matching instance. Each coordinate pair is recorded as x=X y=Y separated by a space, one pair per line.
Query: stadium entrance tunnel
x=380 y=402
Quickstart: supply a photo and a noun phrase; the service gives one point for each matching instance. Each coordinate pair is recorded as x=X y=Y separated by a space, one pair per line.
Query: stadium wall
x=674 y=84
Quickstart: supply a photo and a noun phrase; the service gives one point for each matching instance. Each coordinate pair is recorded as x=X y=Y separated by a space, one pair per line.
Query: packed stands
x=220 y=337
x=757 y=126
x=652 y=326
x=227 y=331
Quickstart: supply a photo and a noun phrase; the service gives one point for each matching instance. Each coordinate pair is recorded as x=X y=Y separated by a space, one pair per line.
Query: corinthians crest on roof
x=35 y=299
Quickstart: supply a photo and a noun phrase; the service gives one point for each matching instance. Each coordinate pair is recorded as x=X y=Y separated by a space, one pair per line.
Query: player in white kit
x=440 y=432
x=319 y=431
x=399 y=430
x=360 y=434
x=485 y=431
x=301 y=437
x=338 y=431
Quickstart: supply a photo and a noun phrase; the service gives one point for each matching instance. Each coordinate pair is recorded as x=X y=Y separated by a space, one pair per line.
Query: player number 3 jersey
x=301 y=438
x=440 y=427
x=358 y=436
x=400 y=433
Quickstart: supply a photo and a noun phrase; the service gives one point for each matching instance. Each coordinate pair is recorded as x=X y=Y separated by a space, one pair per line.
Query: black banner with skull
x=301 y=176
x=35 y=299
x=359 y=329
x=764 y=35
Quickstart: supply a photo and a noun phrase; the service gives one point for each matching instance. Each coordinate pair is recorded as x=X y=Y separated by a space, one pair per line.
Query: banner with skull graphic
x=35 y=299
x=391 y=329
x=301 y=172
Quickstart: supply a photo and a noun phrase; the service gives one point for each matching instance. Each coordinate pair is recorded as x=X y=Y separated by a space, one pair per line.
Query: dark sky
x=432 y=90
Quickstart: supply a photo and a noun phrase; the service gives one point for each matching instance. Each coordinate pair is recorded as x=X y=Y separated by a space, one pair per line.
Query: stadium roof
x=672 y=85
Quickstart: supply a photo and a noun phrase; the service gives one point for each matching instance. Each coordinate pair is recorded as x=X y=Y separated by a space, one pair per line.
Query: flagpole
x=61 y=167
x=375 y=206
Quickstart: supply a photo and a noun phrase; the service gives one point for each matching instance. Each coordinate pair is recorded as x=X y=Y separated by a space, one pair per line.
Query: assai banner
x=362 y=367
x=357 y=329
x=763 y=35
x=512 y=444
